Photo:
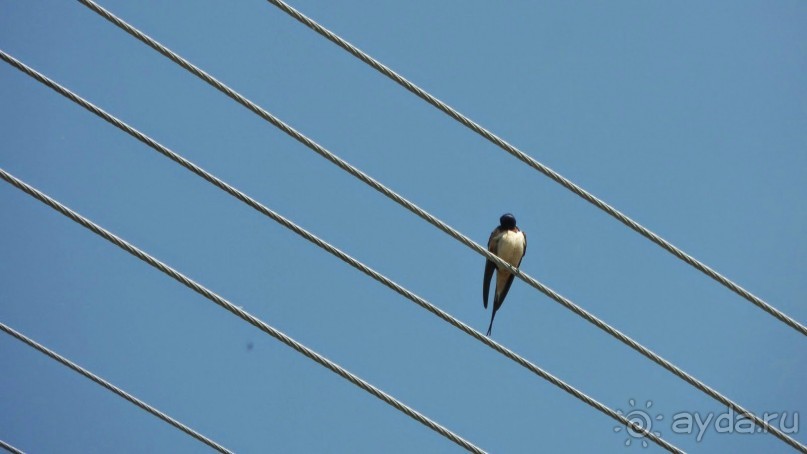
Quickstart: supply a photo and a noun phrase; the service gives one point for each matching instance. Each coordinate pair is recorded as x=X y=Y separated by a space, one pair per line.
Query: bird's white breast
x=511 y=247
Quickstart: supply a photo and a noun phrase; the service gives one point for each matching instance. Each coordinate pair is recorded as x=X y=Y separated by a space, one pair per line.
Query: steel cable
x=10 y=448
x=95 y=378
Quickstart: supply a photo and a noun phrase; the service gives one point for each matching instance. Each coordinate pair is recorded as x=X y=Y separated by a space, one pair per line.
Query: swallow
x=510 y=244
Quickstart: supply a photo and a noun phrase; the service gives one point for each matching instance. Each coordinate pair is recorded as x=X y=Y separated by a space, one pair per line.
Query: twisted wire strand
x=530 y=161
x=344 y=165
x=10 y=448
x=338 y=253
x=143 y=405
x=238 y=311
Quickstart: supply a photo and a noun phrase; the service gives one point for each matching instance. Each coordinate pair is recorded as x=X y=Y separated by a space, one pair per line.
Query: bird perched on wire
x=510 y=244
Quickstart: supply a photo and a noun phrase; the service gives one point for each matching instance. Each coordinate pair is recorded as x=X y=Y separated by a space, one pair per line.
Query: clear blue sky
x=689 y=116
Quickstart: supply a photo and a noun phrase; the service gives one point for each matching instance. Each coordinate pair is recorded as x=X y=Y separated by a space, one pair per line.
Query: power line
x=530 y=161
x=48 y=352
x=10 y=448
x=238 y=311
x=409 y=205
x=393 y=196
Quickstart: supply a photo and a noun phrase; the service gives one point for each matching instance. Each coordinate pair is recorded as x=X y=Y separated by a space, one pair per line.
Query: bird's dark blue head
x=507 y=221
